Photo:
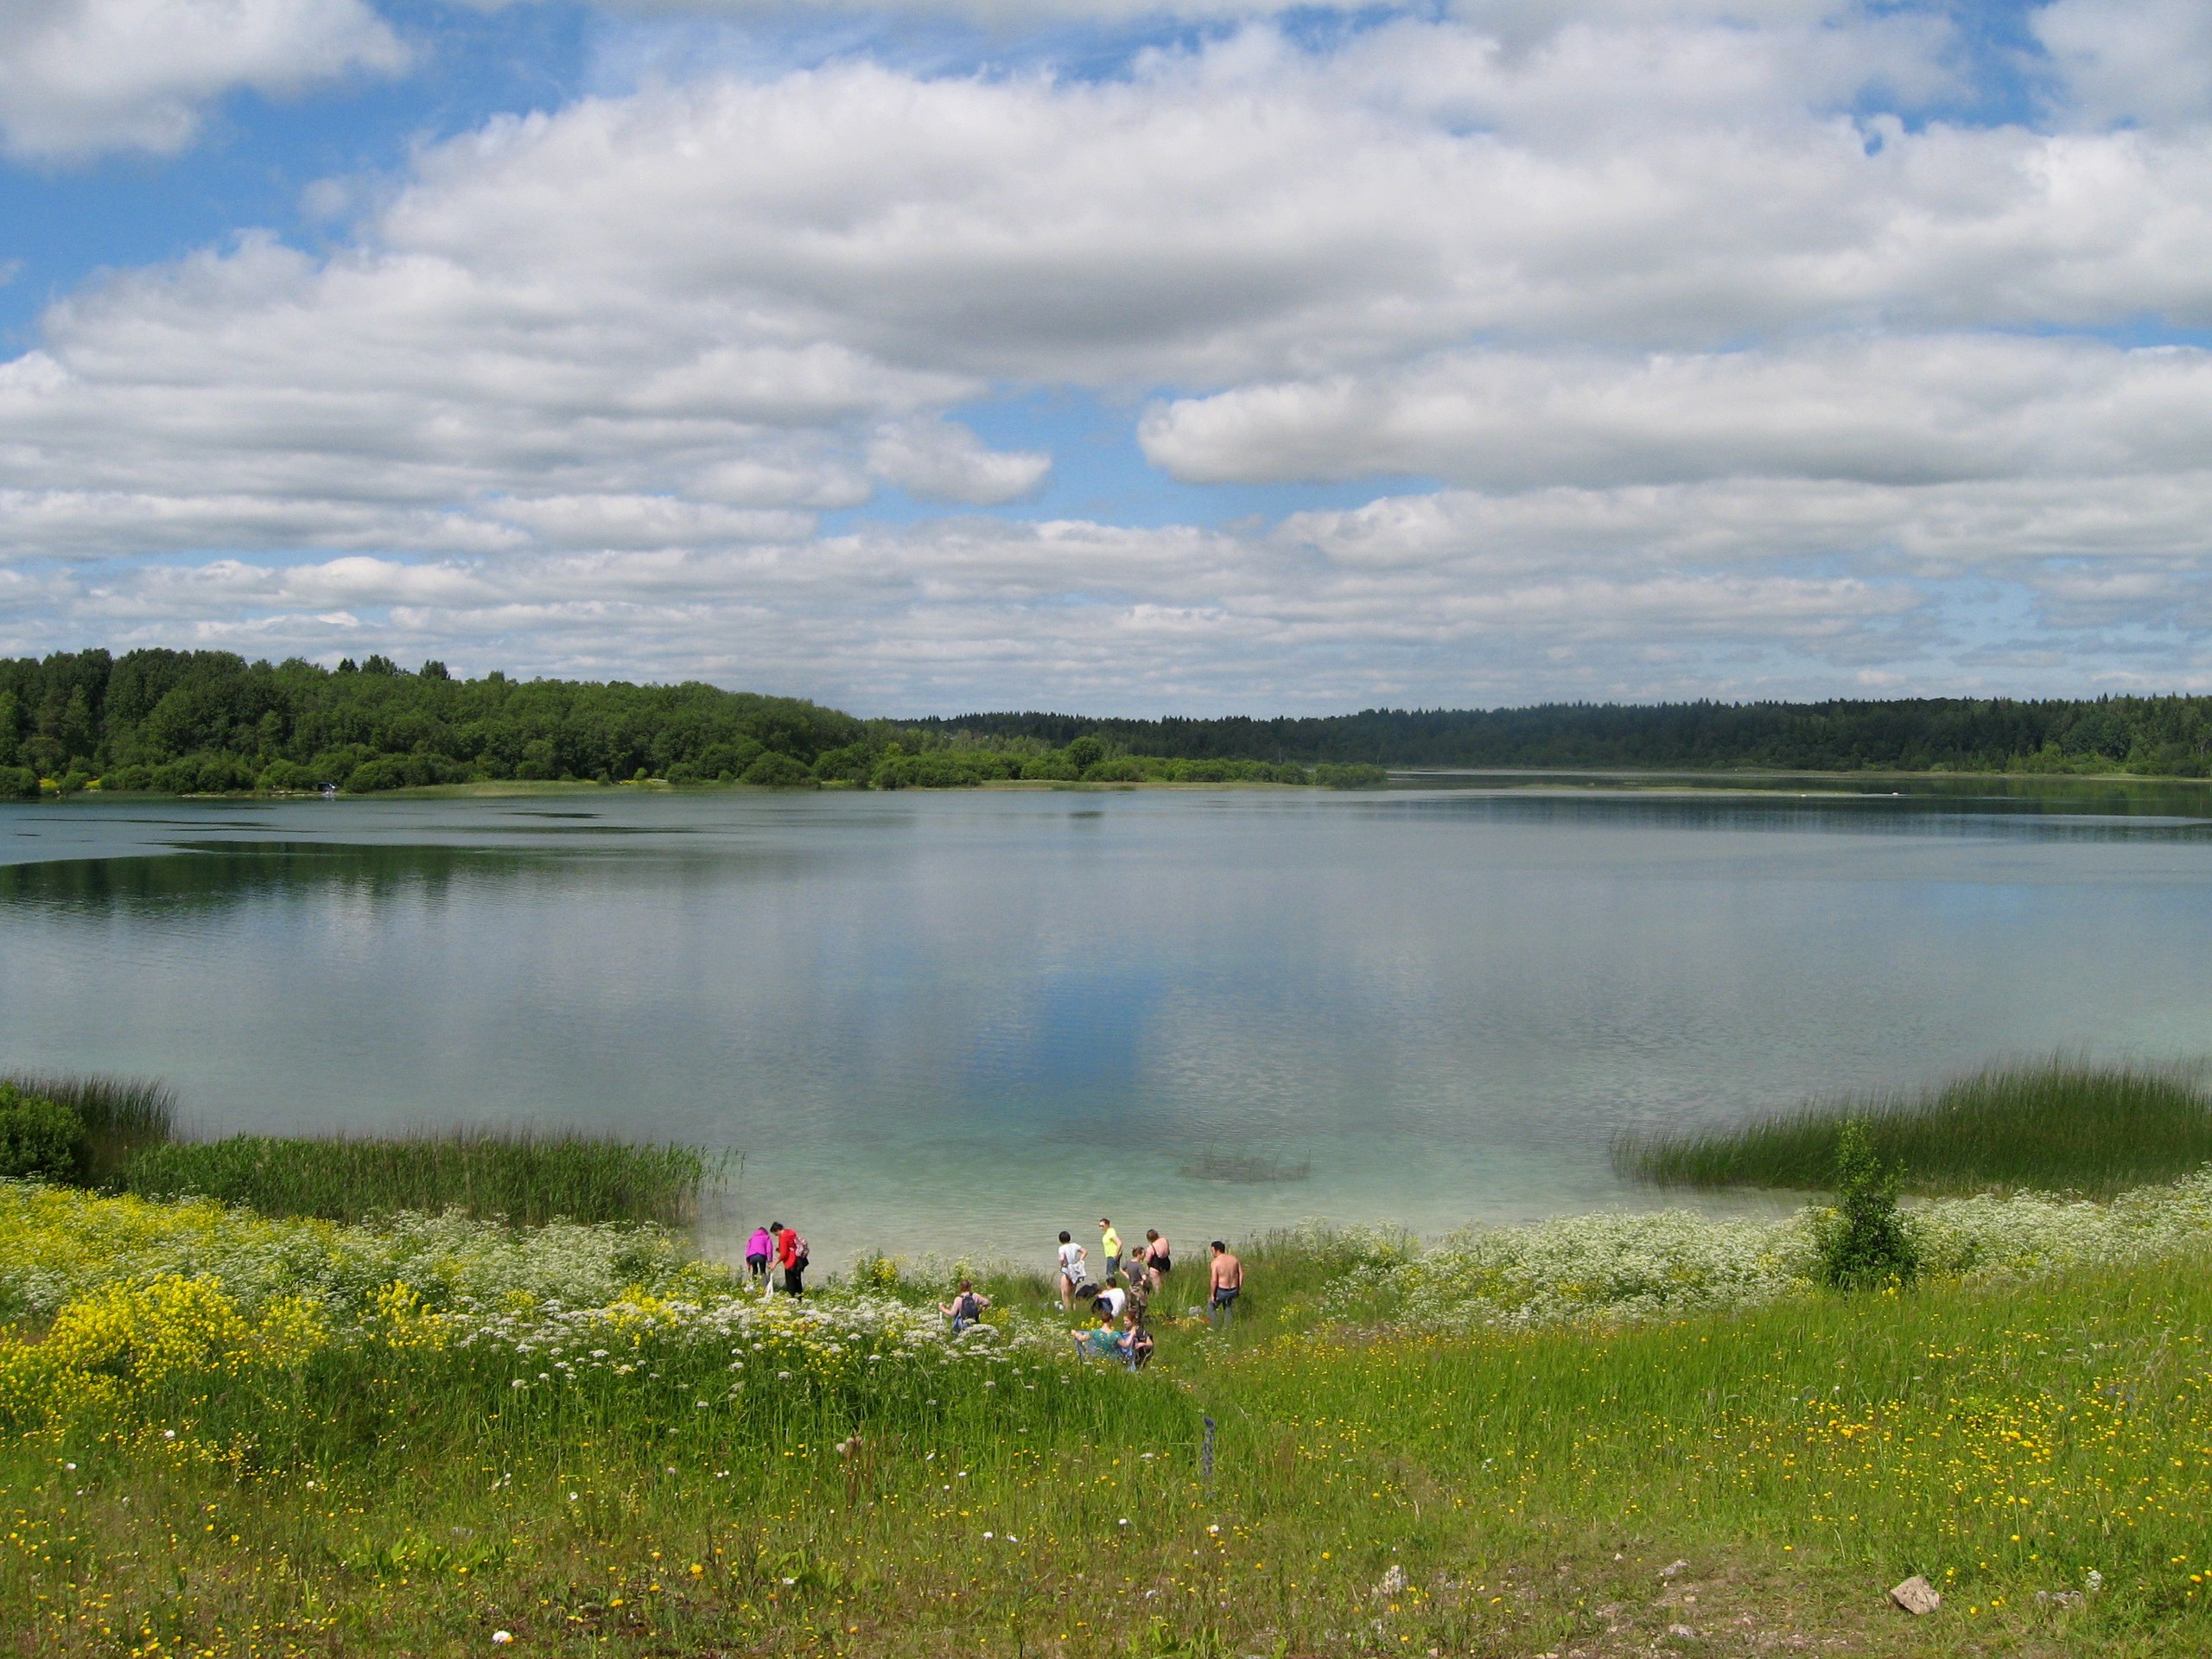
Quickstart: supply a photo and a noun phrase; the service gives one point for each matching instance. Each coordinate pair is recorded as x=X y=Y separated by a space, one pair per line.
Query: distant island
x=211 y=722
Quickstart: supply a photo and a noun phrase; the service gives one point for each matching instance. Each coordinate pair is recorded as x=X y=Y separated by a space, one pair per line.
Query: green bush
x=373 y=775
x=39 y=1136
x=1330 y=775
x=1864 y=1242
x=850 y=764
x=1052 y=766
x=773 y=771
x=285 y=775
x=18 y=783
x=118 y=1115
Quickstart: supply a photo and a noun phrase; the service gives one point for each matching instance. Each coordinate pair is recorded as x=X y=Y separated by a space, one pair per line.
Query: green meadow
x=223 y=1433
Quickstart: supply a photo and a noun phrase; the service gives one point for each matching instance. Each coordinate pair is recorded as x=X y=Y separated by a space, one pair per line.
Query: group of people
x=775 y=1257
x=1118 y=1301
x=783 y=1249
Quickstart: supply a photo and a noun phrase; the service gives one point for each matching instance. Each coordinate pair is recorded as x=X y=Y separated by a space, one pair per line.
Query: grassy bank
x=679 y=1469
x=2051 y=1125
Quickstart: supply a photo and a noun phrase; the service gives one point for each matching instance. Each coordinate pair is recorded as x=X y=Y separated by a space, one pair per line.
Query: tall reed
x=524 y=1176
x=2056 y=1124
x=120 y=1114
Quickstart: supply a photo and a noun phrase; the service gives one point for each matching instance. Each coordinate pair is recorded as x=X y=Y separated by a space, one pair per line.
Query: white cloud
x=1888 y=410
x=80 y=77
x=943 y=460
x=1728 y=385
x=2148 y=61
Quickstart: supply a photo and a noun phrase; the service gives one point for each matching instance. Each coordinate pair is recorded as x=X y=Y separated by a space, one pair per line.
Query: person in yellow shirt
x=1110 y=1246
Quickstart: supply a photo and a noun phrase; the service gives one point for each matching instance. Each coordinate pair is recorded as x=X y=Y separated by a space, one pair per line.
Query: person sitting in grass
x=966 y=1308
x=1137 y=1341
x=1111 y=1297
x=1102 y=1341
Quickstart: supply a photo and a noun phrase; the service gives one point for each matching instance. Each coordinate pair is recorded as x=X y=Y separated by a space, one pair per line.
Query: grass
x=120 y=1114
x=523 y=1176
x=1758 y=1478
x=2052 y=1125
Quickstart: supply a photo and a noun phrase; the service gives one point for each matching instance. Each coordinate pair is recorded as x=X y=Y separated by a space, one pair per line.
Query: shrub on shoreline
x=119 y=1115
x=39 y=1136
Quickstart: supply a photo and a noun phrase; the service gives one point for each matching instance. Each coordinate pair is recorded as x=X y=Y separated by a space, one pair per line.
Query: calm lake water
x=964 y=1020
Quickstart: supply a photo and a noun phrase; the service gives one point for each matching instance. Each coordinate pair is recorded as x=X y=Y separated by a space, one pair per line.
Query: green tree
x=1864 y=1242
x=773 y=771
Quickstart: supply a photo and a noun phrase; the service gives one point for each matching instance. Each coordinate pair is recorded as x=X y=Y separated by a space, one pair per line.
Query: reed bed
x=120 y=1114
x=523 y=1176
x=2059 y=1124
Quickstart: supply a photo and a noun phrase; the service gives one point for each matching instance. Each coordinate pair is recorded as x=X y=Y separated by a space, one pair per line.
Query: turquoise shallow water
x=952 y=1021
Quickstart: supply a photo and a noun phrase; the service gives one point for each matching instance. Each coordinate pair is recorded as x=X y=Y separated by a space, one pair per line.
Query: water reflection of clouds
x=988 y=1009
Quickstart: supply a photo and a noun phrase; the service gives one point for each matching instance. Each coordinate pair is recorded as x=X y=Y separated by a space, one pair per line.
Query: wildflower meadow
x=223 y=1435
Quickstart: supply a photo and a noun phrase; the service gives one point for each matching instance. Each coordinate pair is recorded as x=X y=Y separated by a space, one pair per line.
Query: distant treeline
x=2165 y=736
x=195 y=722
x=208 y=722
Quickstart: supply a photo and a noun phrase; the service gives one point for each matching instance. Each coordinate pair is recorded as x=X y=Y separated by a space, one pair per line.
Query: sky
x=1202 y=357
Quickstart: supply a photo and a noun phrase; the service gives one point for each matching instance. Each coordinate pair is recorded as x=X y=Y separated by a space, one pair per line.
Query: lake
x=964 y=1020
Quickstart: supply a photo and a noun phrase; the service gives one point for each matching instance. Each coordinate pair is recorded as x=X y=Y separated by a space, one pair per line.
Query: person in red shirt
x=790 y=1256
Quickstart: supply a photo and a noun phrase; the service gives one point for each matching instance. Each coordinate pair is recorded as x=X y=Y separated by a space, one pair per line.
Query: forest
x=210 y=722
x=2166 y=736
x=205 y=722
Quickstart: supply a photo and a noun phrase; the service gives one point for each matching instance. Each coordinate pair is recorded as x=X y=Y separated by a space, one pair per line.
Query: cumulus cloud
x=1725 y=382
x=991 y=612
x=945 y=461
x=1889 y=409
x=79 y=77
x=2147 y=60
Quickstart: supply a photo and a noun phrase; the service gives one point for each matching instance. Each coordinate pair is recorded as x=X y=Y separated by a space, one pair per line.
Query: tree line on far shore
x=210 y=722
x=205 y=722
x=2162 y=737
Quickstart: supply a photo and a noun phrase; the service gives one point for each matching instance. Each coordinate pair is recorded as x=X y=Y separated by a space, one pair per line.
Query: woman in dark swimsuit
x=1157 y=1258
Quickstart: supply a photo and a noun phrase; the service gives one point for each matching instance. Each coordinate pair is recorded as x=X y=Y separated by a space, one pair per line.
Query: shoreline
x=1401 y=779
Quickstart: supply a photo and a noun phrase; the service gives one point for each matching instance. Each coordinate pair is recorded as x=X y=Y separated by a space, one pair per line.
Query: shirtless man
x=1227 y=1277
